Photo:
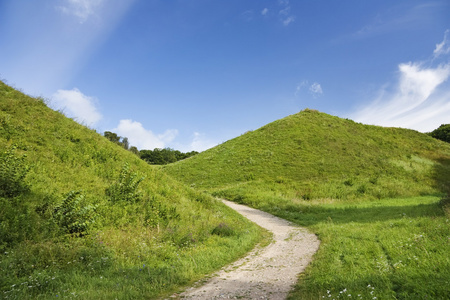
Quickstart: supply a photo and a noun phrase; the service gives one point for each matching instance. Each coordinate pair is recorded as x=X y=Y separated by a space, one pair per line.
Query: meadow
x=81 y=217
x=376 y=197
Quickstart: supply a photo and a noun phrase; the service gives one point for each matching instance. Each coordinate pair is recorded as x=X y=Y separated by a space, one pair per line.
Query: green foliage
x=74 y=214
x=442 y=133
x=223 y=229
x=158 y=213
x=157 y=222
x=13 y=170
x=126 y=187
x=164 y=156
x=121 y=141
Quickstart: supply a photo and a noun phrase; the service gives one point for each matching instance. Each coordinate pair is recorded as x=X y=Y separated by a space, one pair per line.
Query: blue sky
x=191 y=74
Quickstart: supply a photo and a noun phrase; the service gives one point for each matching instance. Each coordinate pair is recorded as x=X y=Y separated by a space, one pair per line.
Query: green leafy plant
x=223 y=229
x=13 y=170
x=126 y=188
x=74 y=215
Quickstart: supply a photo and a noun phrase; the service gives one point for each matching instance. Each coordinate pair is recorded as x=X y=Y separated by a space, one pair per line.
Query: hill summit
x=313 y=155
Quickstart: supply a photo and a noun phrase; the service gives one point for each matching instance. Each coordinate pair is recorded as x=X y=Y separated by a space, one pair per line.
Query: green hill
x=312 y=155
x=374 y=196
x=82 y=217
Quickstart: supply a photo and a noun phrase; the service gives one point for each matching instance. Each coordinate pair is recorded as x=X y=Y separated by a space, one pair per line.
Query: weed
x=13 y=170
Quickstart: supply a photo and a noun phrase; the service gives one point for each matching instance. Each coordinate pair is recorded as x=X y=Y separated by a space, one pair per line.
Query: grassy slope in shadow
x=82 y=223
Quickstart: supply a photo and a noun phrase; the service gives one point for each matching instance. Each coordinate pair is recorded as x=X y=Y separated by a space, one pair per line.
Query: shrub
x=74 y=215
x=13 y=170
x=126 y=186
x=442 y=133
x=223 y=229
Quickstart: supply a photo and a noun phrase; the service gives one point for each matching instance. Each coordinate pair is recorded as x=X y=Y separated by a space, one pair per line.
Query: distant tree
x=113 y=137
x=442 y=133
x=121 y=141
x=164 y=156
x=125 y=143
x=134 y=150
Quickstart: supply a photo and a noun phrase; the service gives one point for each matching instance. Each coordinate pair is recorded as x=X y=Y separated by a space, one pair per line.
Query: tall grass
x=371 y=194
x=84 y=218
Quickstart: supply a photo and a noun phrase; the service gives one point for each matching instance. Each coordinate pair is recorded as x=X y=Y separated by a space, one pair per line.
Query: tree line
x=442 y=133
x=156 y=156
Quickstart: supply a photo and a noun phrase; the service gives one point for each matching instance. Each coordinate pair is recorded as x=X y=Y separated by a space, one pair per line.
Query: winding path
x=265 y=273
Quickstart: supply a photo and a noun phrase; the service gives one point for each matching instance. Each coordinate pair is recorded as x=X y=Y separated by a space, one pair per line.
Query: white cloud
x=201 y=143
x=77 y=105
x=315 y=89
x=285 y=13
x=265 y=11
x=288 y=20
x=82 y=9
x=143 y=138
x=443 y=47
x=420 y=99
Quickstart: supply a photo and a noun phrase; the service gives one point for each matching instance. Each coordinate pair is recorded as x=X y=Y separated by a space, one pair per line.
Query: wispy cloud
x=398 y=18
x=285 y=12
x=418 y=100
x=143 y=138
x=247 y=15
x=82 y=9
x=265 y=11
x=315 y=89
x=443 y=48
x=77 y=105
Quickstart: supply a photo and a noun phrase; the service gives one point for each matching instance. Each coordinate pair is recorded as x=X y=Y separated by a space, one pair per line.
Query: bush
x=442 y=133
x=223 y=230
x=74 y=215
x=126 y=187
x=13 y=170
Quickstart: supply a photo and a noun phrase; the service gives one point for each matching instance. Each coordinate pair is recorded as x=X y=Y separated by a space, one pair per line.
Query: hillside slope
x=313 y=155
x=374 y=196
x=82 y=217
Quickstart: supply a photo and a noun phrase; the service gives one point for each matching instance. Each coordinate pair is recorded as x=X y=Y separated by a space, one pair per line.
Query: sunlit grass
x=97 y=222
x=371 y=194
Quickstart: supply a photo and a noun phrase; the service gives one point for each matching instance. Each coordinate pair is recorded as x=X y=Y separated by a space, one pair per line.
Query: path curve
x=267 y=273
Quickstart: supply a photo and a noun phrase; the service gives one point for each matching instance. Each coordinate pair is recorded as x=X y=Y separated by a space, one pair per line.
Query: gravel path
x=265 y=273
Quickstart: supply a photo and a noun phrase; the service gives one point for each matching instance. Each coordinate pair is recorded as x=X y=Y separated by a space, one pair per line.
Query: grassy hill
x=312 y=155
x=80 y=217
x=375 y=196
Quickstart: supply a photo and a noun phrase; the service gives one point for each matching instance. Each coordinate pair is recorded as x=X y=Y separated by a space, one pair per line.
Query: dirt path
x=267 y=273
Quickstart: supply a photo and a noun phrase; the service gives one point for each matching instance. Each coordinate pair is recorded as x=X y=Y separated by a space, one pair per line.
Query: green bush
x=223 y=229
x=442 y=133
x=126 y=186
x=13 y=170
x=74 y=215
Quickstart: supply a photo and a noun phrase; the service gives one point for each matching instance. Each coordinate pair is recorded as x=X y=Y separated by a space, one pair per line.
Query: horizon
x=191 y=75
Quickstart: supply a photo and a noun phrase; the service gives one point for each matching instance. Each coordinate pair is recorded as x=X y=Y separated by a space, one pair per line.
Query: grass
x=83 y=218
x=373 y=195
x=313 y=155
x=389 y=249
